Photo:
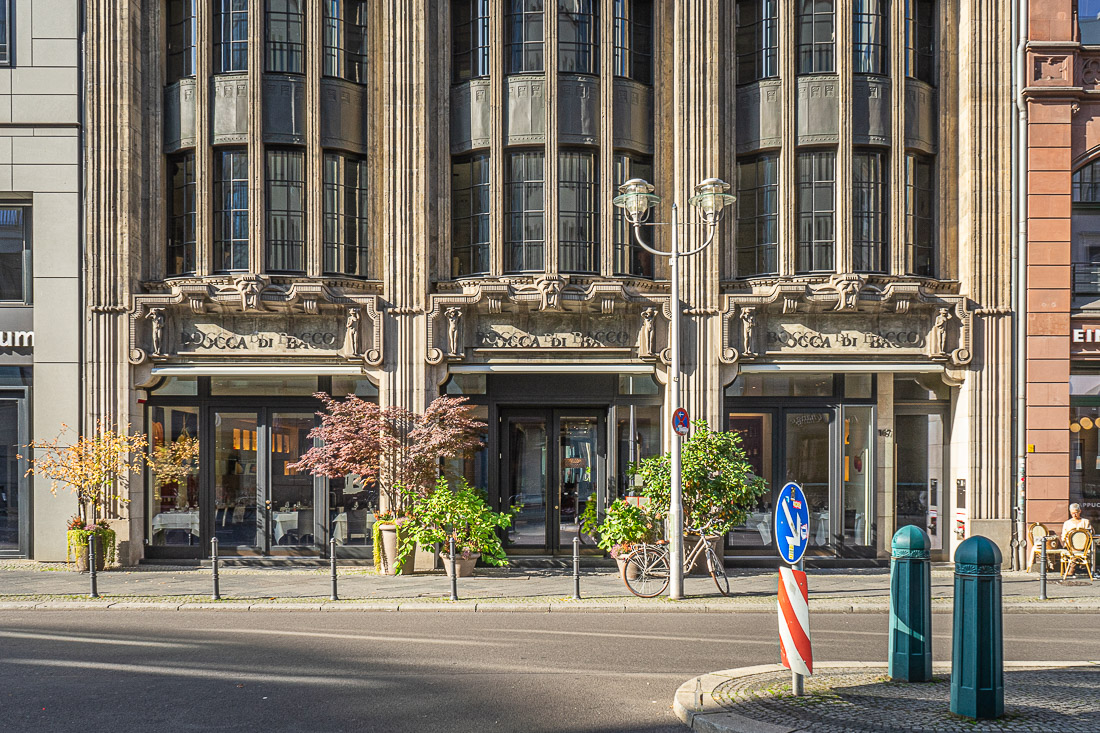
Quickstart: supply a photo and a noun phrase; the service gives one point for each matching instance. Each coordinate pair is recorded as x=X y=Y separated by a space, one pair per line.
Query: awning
x=552 y=369
x=867 y=367
x=254 y=370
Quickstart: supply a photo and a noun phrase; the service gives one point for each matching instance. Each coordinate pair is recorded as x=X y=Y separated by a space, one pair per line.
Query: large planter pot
x=80 y=557
x=389 y=552
x=465 y=565
x=699 y=567
x=632 y=572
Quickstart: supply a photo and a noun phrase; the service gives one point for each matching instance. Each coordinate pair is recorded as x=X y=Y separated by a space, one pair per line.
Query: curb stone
x=695 y=706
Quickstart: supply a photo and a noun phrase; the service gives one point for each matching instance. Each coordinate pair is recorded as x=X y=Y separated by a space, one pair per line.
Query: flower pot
x=699 y=567
x=632 y=573
x=390 y=550
x=465 y=565
x=80 y=557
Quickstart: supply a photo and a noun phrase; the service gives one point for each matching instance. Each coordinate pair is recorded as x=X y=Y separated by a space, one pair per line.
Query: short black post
x=332 y=560
x=576 y=568
x=216 y=595
x=1043 y=570
x=92 y=540
x=454 y=571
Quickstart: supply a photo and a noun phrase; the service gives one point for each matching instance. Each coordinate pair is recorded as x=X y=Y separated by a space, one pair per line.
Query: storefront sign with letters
x=16 y=339
x=830 y=335
x=554 y=332
x=268 y=335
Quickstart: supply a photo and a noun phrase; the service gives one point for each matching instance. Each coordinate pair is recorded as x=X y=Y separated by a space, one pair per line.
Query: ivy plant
x=460 y=513
x=717 y=479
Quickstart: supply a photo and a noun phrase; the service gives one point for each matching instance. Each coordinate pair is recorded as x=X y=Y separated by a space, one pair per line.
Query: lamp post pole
x=636 y=197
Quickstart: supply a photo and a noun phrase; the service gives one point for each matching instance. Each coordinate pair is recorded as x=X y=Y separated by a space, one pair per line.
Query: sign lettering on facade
x=16 y=339
x=268 y=335
x=555 y=332
x=1084 y=338
x=830 y=335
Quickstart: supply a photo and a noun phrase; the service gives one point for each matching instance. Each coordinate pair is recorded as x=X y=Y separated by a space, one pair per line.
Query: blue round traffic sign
x=680 y=421
x=792 y=523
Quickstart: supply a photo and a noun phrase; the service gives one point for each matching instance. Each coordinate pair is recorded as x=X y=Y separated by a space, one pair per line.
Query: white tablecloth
x=283 y=522
x=177 y=520
x=340 y=528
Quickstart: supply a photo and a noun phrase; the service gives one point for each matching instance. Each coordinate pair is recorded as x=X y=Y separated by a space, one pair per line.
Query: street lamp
x=636 y=198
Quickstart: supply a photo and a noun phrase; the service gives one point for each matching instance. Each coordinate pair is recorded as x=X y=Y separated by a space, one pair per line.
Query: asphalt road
x=266 y=671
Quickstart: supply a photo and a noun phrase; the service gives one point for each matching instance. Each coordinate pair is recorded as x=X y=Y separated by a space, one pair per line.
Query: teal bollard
x=910 y=657
x=977 y=647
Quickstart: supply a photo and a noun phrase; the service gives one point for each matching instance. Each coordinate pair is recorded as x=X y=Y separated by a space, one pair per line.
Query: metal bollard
x=216 y=595
x=92 y=541
x=910 y=656
x=977 y=649
x=576 y=568
x=332 y=561
x=454 y=571
x=1043 y=568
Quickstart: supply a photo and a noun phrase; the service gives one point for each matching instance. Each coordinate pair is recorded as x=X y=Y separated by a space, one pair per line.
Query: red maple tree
x=391 y=445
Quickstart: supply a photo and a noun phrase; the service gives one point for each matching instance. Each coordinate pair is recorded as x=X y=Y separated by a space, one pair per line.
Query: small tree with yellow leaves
x=91 y=466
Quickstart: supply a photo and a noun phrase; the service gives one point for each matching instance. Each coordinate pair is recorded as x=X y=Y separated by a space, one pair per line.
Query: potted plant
x=460 y=514
x=386 y=534
x=399 y=449
x=718 y=483
x=92 y=467
x=623 y=526
x=76 y=545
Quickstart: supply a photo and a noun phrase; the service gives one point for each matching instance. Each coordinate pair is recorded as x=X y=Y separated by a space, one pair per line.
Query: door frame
x=553 y=415
x=942 y=409
x=21 y=397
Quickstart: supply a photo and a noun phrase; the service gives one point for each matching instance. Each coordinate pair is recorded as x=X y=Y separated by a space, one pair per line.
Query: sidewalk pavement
x=1059 y=697
x=28 y=584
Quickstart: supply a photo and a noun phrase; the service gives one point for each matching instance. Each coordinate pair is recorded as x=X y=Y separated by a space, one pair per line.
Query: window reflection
x=756 y=439
x=174 y=475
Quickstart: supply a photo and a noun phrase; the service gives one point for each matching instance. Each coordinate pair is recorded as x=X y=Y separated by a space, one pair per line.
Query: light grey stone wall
x=40 y=158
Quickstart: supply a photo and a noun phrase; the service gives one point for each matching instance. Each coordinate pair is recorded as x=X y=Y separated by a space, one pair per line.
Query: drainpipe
x=1019 y=256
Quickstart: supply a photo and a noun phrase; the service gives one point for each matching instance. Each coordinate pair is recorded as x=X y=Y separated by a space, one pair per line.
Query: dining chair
x=1078 y=550
x=1036 y=531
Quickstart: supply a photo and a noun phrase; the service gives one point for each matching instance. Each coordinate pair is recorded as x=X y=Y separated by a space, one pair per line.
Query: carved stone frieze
x=252 y=318
x=550 y=315
x=846 y=317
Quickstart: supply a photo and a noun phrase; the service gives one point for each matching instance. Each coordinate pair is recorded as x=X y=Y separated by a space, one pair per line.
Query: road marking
x=650 y=637
x=364 y=637
x=91 y=640
x=216 y=674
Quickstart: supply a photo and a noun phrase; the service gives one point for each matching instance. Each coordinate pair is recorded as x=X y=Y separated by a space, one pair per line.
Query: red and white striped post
x=794 y=626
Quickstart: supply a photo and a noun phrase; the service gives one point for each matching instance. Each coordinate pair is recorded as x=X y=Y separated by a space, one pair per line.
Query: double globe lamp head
x=636 y=197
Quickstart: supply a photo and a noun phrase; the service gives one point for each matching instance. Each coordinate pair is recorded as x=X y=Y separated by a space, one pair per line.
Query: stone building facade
x=40 y=249
x=1060 y=202
x=404 y=199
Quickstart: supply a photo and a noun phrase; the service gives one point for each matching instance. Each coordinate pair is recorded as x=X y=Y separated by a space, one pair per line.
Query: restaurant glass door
x=13 y=515
x=262 y=505
x=551 y=464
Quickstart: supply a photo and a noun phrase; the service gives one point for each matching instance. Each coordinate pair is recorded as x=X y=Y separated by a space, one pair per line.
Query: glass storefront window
x=635 y=384
x=807 y=452
x=173 y=479
x=774 y=385
x=920 y=388
x=756 y=438
x=639 y=436
x=186 y=386
x=858 y=386
x=265 y=386
x=475 y=467
x=857 y=533
x=466 y=384
x=1084 y=450
x=358 y=386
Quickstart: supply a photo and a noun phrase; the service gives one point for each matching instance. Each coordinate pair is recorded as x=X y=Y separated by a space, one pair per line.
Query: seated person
x=1076 y=521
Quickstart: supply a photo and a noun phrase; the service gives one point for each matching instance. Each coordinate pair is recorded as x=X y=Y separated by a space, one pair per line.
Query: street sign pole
x=676 y=500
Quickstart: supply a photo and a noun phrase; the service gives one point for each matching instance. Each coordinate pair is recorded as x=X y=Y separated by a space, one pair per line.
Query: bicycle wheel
x=645 y=571
x=718 y=571
x=587 y=540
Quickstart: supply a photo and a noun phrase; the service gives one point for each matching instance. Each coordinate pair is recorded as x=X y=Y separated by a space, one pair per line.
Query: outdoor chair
x=1078 y=551
x=1036 y=531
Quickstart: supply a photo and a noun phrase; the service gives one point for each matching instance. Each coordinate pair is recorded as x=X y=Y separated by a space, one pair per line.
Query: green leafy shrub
x=460 y=513
x=717 y=479
x=623 y=526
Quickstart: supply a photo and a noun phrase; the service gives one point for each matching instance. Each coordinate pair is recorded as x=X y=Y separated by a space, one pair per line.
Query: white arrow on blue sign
x=792 y=523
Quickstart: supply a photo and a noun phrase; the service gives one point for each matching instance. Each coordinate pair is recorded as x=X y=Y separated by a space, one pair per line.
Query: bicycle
x=646 y=568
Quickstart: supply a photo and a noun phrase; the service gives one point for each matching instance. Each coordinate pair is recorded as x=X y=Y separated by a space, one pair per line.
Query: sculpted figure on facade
x=748 y=330
x=939 y=332
x=454 y=323
x=250 y=289
x=847 y=290
x=647 y=340
x=352 y=344
x=156 y=318
x=550 y=289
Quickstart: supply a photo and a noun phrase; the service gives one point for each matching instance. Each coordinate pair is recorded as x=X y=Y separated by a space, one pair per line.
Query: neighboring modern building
x=403 y=199
x=1062 y=188
x=40 y=261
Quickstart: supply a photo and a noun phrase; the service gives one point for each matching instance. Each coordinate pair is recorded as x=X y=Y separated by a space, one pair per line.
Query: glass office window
x=345 y=39
x=758 y=215
x=920 y=222
x=630 y=259
x=345 y=219
x=181 y=40
x=870 y=243
x=285 y=27
x=15 y=254
x=634 y=40
x=869 y=36
x=524 y=211
x=579 y=212
x=181 y=214
x=523 y=29
x=920 y=40
x=470 y=34
x=286 y=236
x=757 y=40
x=816 y=211
x=230 y=36
x=231 y=209
x=470 y=215
x=815 y=33
x=578 y=36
